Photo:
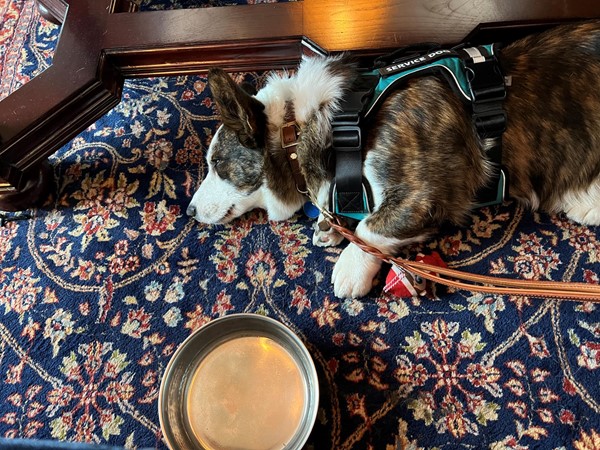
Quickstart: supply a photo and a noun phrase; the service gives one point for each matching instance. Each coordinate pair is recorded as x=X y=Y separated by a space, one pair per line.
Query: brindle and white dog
x=422 y=156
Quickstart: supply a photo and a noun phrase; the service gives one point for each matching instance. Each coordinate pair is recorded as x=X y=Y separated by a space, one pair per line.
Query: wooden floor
x=103 y=42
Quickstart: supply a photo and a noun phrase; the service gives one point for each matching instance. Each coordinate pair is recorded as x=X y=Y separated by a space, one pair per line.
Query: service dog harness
x=473 y=73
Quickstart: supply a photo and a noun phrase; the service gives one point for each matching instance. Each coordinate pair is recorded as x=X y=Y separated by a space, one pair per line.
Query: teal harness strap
x=447 y=62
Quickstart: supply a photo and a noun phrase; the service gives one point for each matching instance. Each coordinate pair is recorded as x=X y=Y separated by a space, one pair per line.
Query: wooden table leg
x=37 y=183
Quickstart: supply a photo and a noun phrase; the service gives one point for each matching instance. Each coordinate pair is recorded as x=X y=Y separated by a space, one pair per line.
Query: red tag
x=401 y=283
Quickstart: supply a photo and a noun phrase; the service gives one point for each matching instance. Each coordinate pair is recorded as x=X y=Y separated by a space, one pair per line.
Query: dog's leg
x=354 y=271
x=583 y=206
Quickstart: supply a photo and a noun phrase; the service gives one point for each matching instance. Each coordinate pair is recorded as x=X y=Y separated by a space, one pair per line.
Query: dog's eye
x=215 y=162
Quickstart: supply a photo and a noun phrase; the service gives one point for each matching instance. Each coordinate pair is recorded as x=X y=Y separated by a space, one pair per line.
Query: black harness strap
x=488 y=92
x=349 y=186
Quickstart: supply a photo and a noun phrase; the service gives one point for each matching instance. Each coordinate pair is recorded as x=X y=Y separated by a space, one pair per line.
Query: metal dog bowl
x=242 y=381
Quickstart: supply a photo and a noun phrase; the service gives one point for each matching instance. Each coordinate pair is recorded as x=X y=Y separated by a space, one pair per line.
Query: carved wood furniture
x=103 y=42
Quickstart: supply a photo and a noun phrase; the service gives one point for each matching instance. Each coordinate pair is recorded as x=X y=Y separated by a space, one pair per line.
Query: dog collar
x=289 y=142
x=472 y=72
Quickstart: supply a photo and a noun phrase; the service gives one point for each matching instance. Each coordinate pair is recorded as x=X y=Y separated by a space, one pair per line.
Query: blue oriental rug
x=104 y=281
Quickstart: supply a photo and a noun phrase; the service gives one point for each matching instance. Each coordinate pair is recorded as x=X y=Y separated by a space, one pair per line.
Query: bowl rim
x=306 y=365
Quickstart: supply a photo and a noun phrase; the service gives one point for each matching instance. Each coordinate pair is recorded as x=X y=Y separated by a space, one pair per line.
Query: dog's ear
x=248 y=88
x=239 y=110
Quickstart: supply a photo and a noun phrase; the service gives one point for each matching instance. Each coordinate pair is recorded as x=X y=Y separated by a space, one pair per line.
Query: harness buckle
x=488 y=92
x=289 y=135
x=346 y=138
x=487 y=81
x=489 y=119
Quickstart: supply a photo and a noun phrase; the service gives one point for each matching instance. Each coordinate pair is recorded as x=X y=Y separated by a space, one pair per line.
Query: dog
x=422 y=155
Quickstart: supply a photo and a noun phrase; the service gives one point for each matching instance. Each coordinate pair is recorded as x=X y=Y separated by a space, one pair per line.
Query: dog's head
x=235 y=182
x=247 y=167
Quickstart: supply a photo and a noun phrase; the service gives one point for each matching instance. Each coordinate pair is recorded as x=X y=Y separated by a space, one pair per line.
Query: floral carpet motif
x=105 y=280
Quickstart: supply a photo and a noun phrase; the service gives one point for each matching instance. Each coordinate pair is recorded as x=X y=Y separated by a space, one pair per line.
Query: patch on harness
x=414 y=62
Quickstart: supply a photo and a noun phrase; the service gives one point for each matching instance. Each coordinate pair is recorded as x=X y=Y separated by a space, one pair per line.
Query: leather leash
x=559 y=290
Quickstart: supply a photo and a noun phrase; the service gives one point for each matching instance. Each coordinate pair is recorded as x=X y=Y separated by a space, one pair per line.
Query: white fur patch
x=276 y=209
x=217 y=200
x=371 y=176
x=278 y=90
x=534 y=201
x=353 y=273
x=582 y=206
x=310 y=88
x=315 y=86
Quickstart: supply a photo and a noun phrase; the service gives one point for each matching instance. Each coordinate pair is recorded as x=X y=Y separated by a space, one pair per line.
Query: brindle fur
x=553 y=107
x=430 y=157
x=424 y=145
x=422 y=150
x=241 y=165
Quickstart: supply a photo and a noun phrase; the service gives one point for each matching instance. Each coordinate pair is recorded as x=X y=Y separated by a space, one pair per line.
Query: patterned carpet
x=100 y=286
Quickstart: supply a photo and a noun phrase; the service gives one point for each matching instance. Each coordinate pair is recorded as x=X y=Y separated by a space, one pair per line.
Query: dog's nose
x=191 y=211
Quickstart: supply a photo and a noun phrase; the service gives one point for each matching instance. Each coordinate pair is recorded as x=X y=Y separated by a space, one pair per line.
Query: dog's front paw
x=326 y=238
x=354 y=272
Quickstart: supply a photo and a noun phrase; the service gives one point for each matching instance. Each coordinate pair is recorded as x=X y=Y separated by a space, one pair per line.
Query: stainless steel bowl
x=241 y=381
